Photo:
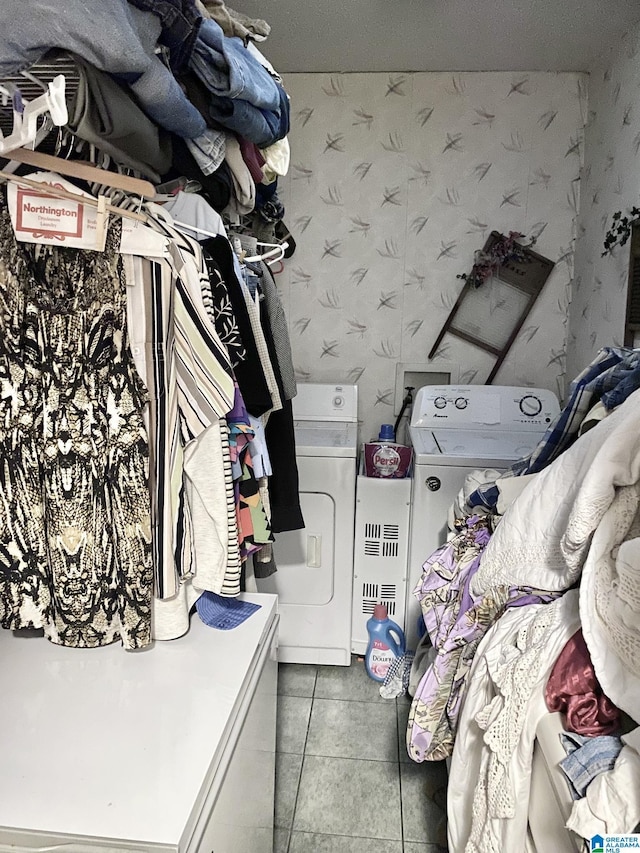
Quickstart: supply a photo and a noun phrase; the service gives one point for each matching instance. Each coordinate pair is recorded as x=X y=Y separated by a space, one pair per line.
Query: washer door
x=306 y=558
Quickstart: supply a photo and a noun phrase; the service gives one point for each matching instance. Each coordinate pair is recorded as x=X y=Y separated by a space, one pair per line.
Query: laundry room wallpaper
x=610 y=182
x=395 y=181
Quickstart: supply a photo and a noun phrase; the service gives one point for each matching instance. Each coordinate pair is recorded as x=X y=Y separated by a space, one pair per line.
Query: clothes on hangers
x=192 y=212
x=251 y=298
x=280 y=331
x=284 y=496
x=249 y=373
x=202 y=342
x=288 y=513
x=75 y=516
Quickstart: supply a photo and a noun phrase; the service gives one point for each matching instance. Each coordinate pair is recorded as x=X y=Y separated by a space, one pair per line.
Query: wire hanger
x=179 y=224
x=273 y=255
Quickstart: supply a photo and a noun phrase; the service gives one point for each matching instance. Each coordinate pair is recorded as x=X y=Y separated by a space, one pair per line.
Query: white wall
x=610 y=182
x=396 y=180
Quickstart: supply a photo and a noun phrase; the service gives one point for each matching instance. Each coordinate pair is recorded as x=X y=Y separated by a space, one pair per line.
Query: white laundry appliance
x=456 y=429
x=315 y=565
x=170 y=749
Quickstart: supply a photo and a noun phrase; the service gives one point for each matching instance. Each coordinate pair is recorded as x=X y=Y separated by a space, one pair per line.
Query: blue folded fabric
x=587 y=757
x=263 y=127
x=229 y=70
x=223 y=613
x=161 y=97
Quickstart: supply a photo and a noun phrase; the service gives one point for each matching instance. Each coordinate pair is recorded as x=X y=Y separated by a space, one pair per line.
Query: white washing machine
x=315 y=565
x=456 y=429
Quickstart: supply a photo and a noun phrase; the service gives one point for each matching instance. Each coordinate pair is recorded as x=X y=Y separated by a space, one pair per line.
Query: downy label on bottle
x=380 y=659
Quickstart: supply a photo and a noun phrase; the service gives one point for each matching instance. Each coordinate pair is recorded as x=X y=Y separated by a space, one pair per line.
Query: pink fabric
x=574 y=689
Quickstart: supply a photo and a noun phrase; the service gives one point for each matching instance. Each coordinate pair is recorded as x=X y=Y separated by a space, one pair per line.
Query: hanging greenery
x=620 y=230
x=487 y=262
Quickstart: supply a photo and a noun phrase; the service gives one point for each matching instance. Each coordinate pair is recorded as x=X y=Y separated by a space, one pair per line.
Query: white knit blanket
x=610 y=601
x=496 y=731
x=544 y=536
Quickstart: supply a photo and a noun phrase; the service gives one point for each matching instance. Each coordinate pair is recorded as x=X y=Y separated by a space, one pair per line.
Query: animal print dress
x=75 y=538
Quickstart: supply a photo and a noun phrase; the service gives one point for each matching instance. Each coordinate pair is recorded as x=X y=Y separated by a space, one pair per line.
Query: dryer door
x=305 y=558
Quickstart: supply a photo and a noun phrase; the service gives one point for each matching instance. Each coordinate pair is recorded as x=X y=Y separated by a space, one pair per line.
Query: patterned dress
x=75 y=538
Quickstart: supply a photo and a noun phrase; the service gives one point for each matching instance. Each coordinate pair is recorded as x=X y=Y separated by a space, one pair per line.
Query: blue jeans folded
x=264 y=127
x=162 y=99
x=229 y=70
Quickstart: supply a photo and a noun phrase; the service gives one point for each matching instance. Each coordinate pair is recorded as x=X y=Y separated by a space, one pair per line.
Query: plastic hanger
x=25 y=116
x=275 y=254
x=82 y=171
x=194 y=228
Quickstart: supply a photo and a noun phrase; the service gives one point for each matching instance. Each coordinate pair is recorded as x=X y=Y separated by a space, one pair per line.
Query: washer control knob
x=440 y=402
x=530 y=405
x=461 y=403
x=338 y=401
x=433 y=484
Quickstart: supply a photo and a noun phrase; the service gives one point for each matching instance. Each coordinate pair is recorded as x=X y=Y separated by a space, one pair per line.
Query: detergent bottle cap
x=380 y=612
x=386 y=433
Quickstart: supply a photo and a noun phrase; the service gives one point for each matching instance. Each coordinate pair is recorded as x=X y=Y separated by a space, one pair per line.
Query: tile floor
x=344 y=783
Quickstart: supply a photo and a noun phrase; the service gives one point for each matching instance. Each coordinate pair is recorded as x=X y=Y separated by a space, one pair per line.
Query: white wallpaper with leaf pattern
x=395 y=181
x=610 y=182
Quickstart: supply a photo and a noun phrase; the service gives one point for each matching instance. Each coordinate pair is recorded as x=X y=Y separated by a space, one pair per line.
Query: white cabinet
x=168 y=750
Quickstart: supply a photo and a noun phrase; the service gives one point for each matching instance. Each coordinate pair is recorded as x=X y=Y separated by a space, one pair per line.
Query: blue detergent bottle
x=386 y=643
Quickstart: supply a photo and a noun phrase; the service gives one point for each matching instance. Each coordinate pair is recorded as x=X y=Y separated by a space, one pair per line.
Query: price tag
x=139 y=239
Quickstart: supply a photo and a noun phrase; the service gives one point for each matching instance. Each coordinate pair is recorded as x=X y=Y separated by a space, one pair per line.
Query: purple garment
x=456 y=621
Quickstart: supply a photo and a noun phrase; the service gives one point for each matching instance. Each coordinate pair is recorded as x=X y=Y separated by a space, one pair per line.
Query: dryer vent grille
x=373 y=593
x=381 y=540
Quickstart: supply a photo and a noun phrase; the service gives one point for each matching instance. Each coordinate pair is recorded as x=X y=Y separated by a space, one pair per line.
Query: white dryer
x=315 y=565
x=456 y=429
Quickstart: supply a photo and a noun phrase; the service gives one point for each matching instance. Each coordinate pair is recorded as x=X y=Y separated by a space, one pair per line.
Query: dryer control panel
x=502 y=407
x=316 y=401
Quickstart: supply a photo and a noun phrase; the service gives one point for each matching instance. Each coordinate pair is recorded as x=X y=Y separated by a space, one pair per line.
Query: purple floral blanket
x=456 y=621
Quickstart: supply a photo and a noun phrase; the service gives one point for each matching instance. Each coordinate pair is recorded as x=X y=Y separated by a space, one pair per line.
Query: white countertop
x=104 y=742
